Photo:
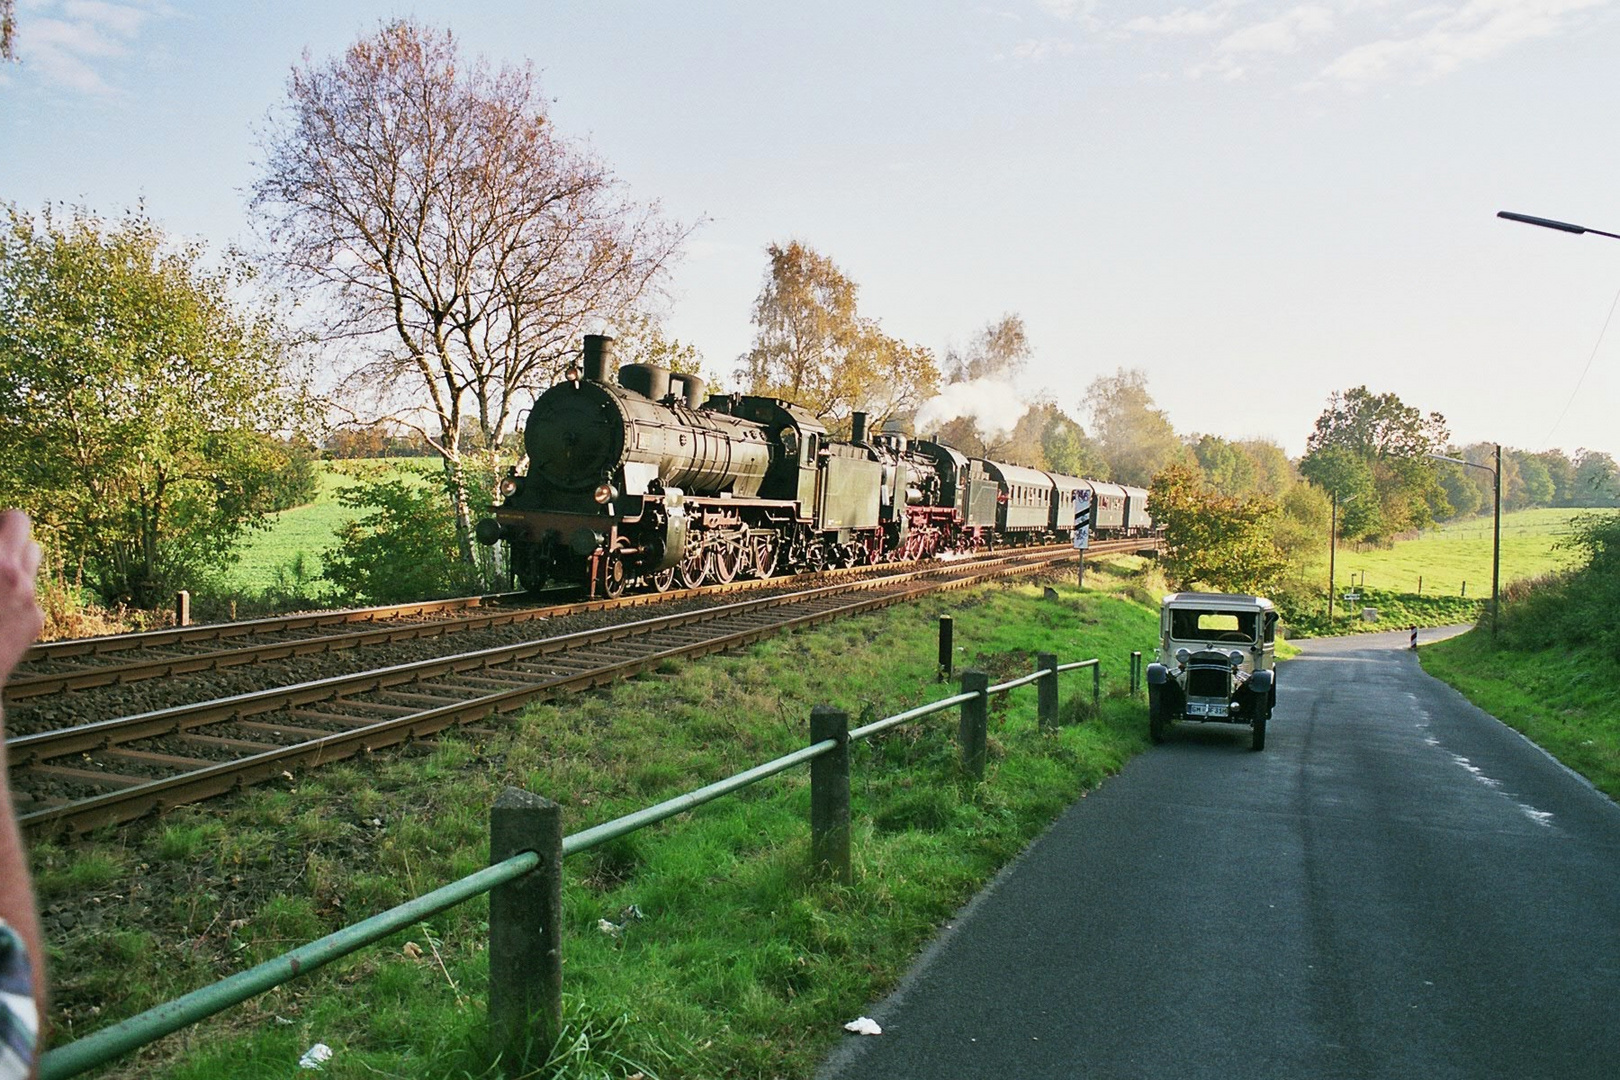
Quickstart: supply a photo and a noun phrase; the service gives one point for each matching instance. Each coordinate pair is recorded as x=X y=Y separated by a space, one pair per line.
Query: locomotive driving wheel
x=662 y=580
x=727 y=561
x=693 y=569
x=614 y=579
x=763 y=547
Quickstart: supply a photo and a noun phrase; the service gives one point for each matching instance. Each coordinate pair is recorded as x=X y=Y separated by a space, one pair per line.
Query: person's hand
x=20 y=616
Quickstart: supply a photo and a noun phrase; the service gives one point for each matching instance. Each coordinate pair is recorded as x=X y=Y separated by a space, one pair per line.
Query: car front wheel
x=1258 y=739
x=1156 y=720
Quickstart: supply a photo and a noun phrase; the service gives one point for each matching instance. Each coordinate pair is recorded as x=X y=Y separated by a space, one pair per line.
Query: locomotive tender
x=639 y=478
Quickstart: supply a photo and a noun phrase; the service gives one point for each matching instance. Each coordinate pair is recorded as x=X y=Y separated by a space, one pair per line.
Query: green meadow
x=298 y=536
x=1444 y=560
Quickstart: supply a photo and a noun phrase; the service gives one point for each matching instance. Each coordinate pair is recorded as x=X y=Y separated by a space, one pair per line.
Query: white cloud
x=1183 y=22
x=1036 y=50
x=1476 y=31
x=71 y=43
x=1283 y=34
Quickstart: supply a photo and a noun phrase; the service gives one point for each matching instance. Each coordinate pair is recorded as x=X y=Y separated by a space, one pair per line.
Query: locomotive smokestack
x=598 y=357
x=857 y=430
x=694 y=391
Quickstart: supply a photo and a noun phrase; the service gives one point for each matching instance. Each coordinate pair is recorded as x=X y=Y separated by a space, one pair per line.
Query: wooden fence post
x=525 y=930
x=975 y=722
x=1047 y=687
x=829 y=796
x=947 y=652
x=1096 y=689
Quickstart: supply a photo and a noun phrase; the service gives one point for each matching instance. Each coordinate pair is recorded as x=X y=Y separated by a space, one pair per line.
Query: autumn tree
x=8 y=30
x=813 y=347
x=140 y=402
x=456 y=238
x=1136 y=439
x=639 y=338
x=1213 y=540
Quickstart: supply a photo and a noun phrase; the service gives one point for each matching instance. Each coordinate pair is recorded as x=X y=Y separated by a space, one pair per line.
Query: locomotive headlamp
x=604 y=494
x=509 y=486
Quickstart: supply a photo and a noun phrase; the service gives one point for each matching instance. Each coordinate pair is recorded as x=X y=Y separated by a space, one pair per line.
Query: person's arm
x=20 y=621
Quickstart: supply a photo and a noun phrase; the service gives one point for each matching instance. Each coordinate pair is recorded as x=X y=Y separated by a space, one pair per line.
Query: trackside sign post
x=1082 y=530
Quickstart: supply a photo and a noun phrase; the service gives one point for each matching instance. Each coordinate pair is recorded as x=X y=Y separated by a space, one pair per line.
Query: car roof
x=1229 y=601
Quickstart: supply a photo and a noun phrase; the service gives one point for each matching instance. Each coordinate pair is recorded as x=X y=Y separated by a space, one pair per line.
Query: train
x=636 y=478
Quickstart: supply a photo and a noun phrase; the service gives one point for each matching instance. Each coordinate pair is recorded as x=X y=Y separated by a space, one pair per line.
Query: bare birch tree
x=453 y=233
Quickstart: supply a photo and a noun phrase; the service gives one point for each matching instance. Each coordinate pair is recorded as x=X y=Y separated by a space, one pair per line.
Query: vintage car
x=1216 y=660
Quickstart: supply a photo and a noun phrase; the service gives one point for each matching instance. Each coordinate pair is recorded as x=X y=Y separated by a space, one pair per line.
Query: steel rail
x=130 y=803
x=24 y=684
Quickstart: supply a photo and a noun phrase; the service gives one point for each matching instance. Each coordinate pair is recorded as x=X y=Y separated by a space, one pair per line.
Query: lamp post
x=1496 y=540
x=1333 y=548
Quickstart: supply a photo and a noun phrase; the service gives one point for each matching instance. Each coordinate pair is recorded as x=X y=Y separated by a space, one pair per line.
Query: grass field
x=1460 y=552
x=306 y=531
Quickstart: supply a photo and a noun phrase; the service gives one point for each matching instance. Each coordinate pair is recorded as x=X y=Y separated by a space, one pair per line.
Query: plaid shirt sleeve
x=19 y=1020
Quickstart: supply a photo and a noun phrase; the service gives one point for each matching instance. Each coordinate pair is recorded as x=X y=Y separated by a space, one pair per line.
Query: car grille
x=1209 y=682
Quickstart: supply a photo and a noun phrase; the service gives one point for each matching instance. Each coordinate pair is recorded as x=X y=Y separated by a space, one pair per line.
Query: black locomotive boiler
x=638 y=478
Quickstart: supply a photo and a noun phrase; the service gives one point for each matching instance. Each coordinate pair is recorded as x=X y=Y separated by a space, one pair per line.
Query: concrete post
x=525 y=930
x=1047 y=687
x=975 y=723
x=829 y=796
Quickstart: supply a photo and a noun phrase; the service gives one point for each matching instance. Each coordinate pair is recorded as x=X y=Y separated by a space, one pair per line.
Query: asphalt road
x=1397 y=886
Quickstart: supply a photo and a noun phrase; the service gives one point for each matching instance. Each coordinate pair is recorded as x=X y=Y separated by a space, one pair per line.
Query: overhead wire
x=1575 y=392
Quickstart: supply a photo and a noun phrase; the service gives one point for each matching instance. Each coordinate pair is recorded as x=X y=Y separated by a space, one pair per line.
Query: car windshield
x=1193 y=625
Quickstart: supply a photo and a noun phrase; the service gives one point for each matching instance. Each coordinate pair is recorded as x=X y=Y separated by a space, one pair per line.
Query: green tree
x=462 y=244
x=1392 y=440
x=1561 y=471
x=138 y=401
x=1214 y=540
x=812 y=346
x=1136 y=439
x=1067 y=448
x=1597 y=480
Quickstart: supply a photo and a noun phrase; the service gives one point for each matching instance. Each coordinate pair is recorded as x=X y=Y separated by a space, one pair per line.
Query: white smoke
x=995 y=405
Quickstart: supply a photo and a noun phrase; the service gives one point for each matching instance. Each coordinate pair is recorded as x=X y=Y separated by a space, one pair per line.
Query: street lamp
x=1333 y=547
x=1496 y=543
x=1548 y=223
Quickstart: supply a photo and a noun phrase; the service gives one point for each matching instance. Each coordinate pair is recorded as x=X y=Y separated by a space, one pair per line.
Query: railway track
x=69 y=666
x=88 y=775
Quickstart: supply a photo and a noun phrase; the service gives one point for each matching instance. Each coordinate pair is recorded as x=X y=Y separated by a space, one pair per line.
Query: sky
x=1256 y=203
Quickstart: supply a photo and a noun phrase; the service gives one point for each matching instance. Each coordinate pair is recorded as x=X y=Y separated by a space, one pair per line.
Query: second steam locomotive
x=640 y=479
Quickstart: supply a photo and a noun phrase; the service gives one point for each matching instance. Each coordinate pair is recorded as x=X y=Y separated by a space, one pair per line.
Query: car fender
x=1260 y=682
x=1157 y=674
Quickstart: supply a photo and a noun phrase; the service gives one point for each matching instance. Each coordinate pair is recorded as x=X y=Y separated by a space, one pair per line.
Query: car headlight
x=509 y=486
x=1182 y=656
x=604 y=494
x=1236 y=658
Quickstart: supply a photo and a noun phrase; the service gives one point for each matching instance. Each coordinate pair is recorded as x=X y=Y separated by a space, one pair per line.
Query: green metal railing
x=525 y=961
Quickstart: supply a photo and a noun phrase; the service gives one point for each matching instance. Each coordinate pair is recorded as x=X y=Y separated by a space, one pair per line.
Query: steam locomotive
x=643 y=480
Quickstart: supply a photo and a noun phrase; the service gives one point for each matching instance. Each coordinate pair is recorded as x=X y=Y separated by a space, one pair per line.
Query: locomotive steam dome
x=575 y=435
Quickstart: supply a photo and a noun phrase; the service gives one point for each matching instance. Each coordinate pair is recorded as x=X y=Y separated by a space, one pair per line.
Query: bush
x=405 y=549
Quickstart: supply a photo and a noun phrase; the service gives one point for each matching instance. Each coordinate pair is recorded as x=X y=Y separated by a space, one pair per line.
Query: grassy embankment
x=1442 y=563
x=1553 y=670
x=1562 y=700
x=741 y=965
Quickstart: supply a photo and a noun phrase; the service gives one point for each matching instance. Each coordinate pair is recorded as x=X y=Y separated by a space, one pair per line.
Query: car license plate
x=1198 y=708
